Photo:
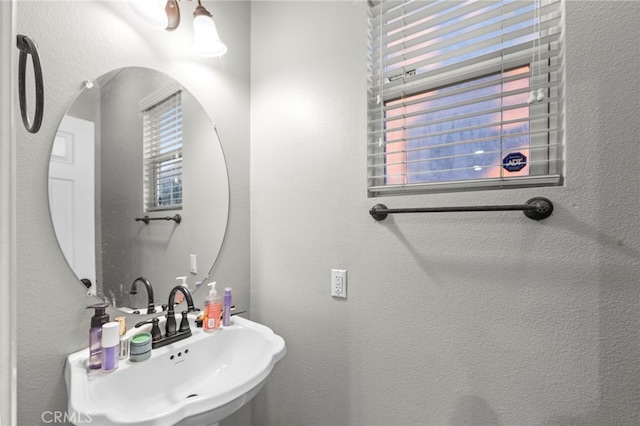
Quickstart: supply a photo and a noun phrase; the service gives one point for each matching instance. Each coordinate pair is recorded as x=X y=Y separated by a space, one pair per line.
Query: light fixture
x=165 y=14
x=206 y=39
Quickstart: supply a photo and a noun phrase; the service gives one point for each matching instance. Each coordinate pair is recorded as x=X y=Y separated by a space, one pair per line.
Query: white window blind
x=450 y=104
x=162 y=134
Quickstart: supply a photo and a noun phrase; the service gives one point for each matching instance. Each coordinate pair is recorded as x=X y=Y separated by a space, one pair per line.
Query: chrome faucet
x=170 y=328
x=151 y=309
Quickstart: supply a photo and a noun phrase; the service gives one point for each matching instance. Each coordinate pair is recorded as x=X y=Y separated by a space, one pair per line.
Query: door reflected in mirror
x=137 y=145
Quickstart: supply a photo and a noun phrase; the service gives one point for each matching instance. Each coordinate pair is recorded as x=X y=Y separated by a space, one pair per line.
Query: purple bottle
x=226 y=307
x=95 y=335
x=110 y=346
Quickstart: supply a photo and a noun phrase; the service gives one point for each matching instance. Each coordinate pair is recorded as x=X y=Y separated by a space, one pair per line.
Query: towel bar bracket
x=543 y=207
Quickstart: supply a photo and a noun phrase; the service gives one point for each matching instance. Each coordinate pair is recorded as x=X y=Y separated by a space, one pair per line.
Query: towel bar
x=536 y=208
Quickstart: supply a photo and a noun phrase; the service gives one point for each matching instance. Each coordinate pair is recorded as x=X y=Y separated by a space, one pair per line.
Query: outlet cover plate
x=339 y=283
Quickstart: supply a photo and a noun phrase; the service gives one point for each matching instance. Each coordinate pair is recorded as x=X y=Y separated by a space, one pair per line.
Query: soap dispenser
x=179 y=296
x=212 y=310
x=100 y=318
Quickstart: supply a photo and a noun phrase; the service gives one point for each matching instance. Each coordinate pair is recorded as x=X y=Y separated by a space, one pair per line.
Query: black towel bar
x=536 y=208
x=146 y=219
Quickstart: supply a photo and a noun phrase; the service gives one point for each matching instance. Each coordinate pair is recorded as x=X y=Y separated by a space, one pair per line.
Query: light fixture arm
x=201 y=11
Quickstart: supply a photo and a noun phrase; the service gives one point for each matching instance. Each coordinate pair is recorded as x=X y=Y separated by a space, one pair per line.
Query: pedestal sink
x=197 y=381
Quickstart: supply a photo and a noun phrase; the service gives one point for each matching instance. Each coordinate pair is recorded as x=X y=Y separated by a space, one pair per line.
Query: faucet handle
x=156 y=334
x=184 y=323
x=170 y=324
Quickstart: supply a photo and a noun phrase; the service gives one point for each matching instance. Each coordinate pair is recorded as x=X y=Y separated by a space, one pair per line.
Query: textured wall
x=483 y=318
x=82 y=40
x=7 y=216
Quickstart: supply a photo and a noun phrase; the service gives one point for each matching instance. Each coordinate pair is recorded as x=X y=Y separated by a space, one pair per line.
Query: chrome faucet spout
x=151 y=309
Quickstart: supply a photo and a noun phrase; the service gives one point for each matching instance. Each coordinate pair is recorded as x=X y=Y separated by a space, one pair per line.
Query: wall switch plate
x=193 y=263
x=339 y=283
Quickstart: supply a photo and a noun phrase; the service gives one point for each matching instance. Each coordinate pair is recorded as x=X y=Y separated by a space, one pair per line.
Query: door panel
x=72 y=195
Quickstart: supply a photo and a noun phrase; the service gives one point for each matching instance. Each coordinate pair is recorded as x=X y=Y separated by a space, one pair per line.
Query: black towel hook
x=28 y=47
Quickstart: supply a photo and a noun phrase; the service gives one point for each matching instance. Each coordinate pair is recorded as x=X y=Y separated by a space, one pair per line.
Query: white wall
x=483 y=318
x=81 y=40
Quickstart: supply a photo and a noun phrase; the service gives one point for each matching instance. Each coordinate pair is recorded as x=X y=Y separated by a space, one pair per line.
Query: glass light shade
x=206 y=39
x=151 y=12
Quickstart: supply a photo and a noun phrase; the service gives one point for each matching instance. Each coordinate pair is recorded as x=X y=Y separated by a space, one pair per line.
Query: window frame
x=541 y=132
x=154 y=162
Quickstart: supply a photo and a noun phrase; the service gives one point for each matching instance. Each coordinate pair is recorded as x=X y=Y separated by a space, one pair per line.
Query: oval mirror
x=138 y=187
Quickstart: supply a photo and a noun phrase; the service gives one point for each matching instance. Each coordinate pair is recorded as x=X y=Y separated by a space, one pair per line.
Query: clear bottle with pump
x=99 y=318
x=179 y=296
x=212 y=310
x=226 y=307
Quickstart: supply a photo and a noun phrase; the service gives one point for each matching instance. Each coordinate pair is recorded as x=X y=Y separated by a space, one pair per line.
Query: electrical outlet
x=339 y=283
x=193 y=262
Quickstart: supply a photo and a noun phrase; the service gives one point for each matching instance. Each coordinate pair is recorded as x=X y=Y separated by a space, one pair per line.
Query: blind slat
x=469 y=153
x=466 y=129
x=472 y=41
x=412 y=37
x=514 y=12
x=488 y=61
x=477 y=85
x=460 y=117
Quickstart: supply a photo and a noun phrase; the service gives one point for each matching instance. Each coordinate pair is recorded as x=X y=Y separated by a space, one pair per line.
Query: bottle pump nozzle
x=100 y=316
x=180 y=296
x=212 y=292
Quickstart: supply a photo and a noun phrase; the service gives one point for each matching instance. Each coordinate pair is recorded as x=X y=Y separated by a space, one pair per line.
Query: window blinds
x=162 y=135
x=450 y=83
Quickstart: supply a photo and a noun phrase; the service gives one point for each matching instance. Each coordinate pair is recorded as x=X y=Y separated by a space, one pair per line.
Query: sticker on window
x=514 y=162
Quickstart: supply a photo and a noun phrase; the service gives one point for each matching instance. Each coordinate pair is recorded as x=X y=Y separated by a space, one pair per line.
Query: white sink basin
x=196 y=381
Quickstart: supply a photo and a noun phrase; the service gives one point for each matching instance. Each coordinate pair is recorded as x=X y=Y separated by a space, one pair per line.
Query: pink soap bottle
x=212 y=310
